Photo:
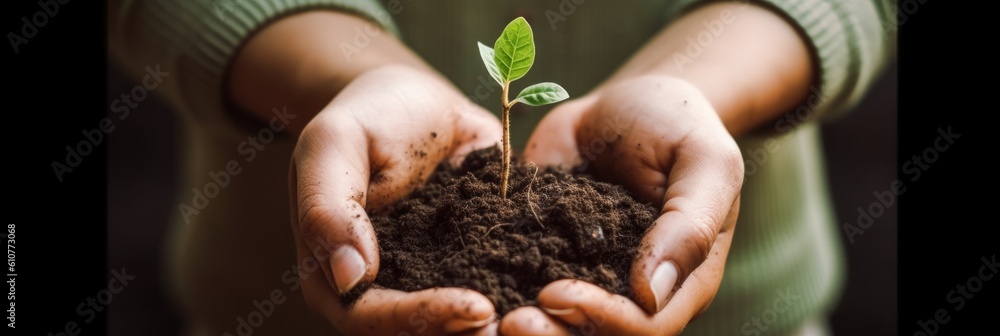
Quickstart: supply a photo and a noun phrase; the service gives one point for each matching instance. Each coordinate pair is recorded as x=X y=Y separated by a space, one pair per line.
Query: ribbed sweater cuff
x=850 y=41
x=823 y=23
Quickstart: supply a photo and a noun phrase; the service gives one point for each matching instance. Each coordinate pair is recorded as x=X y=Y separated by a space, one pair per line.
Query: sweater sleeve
x=195 y=40
x=851 y=40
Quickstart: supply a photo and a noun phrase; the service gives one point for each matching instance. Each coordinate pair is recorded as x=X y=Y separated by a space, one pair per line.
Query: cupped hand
x=381 y=137
x=659 y=137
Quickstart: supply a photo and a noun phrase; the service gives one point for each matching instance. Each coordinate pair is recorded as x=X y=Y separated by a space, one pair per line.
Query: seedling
x=515 y=53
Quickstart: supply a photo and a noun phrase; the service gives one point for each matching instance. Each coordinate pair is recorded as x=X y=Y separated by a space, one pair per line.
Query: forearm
x=304 y=60
x=753 y=69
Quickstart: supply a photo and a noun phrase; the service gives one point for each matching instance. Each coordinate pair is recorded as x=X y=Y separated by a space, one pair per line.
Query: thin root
x=531 y=205
x=494 y=227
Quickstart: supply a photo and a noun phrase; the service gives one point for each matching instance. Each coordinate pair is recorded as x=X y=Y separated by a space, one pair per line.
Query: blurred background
x=143 y=162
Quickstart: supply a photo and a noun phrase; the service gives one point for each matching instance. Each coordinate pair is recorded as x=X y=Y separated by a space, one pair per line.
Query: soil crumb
x=456 y=231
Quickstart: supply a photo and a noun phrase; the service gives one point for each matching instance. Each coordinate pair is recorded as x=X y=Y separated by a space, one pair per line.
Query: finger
x=476 y=129
x=384 y=311
x=492 y=329
x=553 y=142
x=330 y=178
x=527 y=320
x=698 y=290
x=592 y=310
x=703 y=184
x=431 y=311
x=678 y=244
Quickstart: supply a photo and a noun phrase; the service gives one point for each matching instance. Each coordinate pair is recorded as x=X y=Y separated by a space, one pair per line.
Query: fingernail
x=662 y=283
x=348 y=268
x=559 y=312
x=571 y=315
x=459 y=325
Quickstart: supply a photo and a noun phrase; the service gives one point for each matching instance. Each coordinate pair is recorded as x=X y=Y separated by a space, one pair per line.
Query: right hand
x=381 y=137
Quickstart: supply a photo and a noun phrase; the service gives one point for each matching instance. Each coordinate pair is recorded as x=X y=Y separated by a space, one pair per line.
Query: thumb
x=328 y=188
x=476 y=128
x=701 y=203
x=554 y=141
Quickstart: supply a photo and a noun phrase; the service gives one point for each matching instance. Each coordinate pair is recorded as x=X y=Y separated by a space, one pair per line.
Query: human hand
x=659 y=137
x=382 y=136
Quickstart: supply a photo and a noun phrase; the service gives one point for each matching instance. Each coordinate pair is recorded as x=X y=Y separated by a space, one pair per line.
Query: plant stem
x=505 y=165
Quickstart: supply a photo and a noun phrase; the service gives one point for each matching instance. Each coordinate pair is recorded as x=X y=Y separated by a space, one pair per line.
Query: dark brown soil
x=457 y=232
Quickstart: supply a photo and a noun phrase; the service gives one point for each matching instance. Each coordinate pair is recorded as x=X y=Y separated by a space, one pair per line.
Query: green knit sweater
x=785 y=265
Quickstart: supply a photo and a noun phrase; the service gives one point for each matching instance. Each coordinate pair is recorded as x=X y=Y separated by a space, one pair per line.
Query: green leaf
x=515 y=50
x=491 y=65
x=542 y=94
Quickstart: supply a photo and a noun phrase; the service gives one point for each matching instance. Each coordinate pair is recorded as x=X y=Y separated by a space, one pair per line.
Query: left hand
x=659 y=137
